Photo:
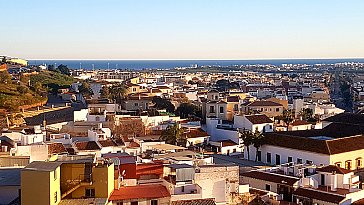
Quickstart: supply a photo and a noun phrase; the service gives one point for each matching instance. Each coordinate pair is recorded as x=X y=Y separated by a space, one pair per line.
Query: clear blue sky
x=182 y=29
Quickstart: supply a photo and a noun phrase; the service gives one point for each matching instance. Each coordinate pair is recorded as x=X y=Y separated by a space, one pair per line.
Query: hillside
x=17 y=95
x=14 y=96
x=52 y=80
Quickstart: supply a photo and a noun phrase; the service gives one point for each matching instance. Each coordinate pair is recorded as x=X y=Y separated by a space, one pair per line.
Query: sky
x=182 y=29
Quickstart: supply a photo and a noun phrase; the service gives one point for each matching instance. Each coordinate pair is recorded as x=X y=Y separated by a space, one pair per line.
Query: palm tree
x=173 y=135
x=287 y=117
x=117 y=92
x=306 y=113
x=258 y=141
x=247 y=137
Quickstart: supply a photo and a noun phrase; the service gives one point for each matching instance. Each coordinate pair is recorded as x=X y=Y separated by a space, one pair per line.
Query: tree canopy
x=162 y=103
x=186 y=110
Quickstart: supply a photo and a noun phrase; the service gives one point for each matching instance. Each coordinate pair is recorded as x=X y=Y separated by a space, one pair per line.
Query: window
x=234 y=150
x=290 y=159
x=277 y=109
x=267 y=187
x=348 y=164
x=212 y=109
x=338 y=164
x=221 y=109
x=134 y=89
x=236 y=108
x=358 y=163
x=278 y=159
x=309 y=162
x=90 y=193
x=136 y=104
x=269 y=158
x=134 y=203
x=299 y=161
x=182 y=188
x=259 y=156
x=154 y=202
x=120 y=203
x=55 y=174
x=55 y=197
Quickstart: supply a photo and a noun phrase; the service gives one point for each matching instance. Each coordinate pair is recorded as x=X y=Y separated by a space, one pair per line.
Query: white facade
x=80 y=115
x=286 y=153
x=241 y=122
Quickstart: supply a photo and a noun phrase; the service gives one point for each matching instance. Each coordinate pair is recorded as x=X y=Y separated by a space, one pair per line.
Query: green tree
x=64 y=69
x=186 y=110
x=85 y=89
x=117 y=92
x=105 y=92
x=257 y=140
x=173 y=134
x=287 y=117
x=5 y=77
x=306 y=114
x=247 y=137
x=162 y=103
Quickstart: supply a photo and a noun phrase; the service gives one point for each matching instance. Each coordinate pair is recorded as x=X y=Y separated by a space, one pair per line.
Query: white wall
x=80 y=115
x=284 y=153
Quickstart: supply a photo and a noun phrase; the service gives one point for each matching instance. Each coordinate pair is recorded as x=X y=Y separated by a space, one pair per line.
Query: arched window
x=338 y=164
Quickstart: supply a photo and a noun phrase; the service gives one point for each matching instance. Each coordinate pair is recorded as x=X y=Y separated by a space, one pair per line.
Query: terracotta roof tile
x=319 y=195
x=333 y=168
x=194 y=202
x=90 y=145
x=271 y=177
x=56 y=148
x=150 y=191
x=258 y=119
x=197 y=133
x=133 y=145
x=107 y=143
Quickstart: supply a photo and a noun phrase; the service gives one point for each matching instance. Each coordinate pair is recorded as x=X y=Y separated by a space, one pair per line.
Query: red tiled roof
x=194 y=202
x=271 y=177
x=333 y=168
x=329 y=147
x=133 y=145
x=90 y=145
x=56 y=148
x=107 y=143
x=319 y=195
x=226 y=143
x=197 y=133
x=150 y=191
x=149 y=169
x=258 y=119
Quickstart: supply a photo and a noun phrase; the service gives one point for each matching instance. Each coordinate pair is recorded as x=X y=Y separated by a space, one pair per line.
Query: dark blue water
x=163 y=64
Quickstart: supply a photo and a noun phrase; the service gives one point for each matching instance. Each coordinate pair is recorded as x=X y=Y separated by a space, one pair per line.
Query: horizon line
x=186 y=59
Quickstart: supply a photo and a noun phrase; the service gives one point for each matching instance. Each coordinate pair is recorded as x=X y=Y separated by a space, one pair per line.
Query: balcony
x=186 y=191
x=72 y=185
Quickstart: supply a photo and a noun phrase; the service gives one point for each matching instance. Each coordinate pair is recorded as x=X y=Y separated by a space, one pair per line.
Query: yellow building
x=40 y=183
x=65 y=181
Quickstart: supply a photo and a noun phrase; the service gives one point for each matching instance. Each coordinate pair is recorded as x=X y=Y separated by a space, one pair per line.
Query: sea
x=168 y=64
